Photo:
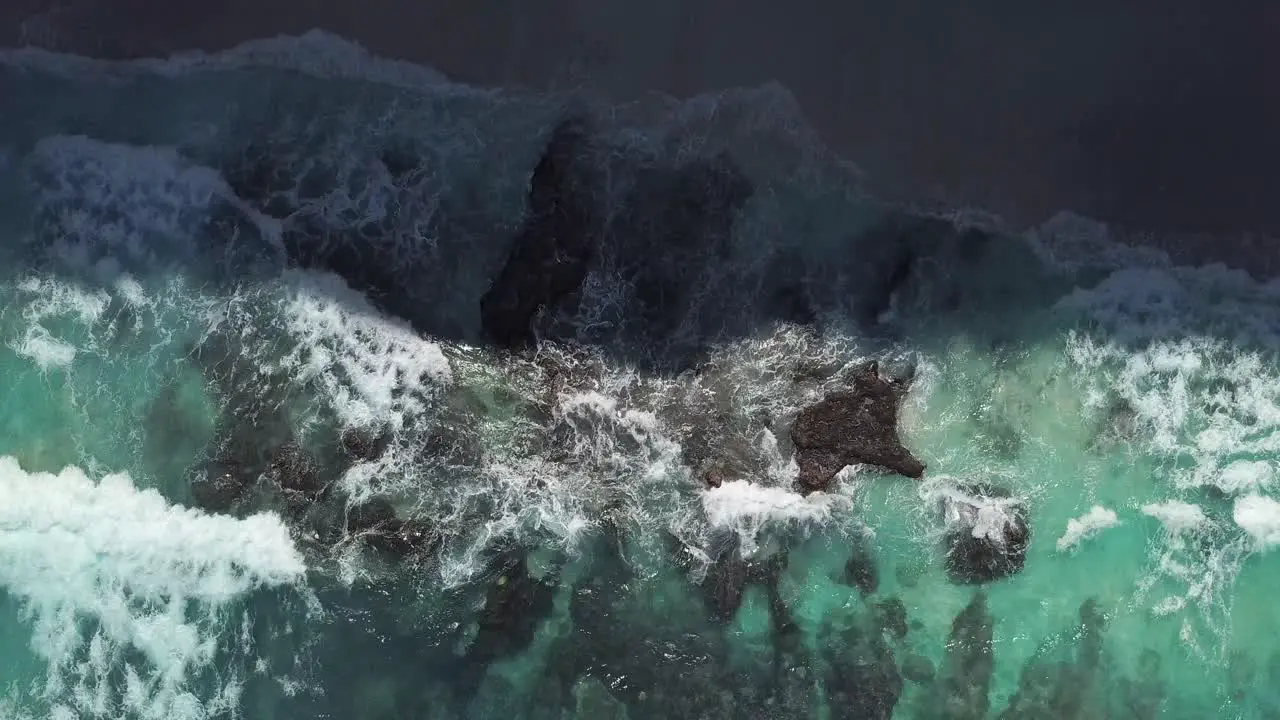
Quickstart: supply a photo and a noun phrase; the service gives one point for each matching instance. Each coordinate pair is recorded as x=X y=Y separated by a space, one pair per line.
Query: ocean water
x=259 y=460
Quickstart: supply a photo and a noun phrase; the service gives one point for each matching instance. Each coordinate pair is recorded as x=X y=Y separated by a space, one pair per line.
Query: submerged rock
x=987 y=533
x=293 y=470
x=891 y=616
x=1062 y=679
x=860 y=570
x=970 y=662
x=592 y=701
x=917 y=668
x=514 y=607
x=378 y=525
x=862 y=678
x=363 y=444
x=728 y=577
x=857 y=425
x=553 y=250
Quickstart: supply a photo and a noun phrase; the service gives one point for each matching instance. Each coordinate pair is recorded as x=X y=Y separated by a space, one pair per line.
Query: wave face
x=335 y=389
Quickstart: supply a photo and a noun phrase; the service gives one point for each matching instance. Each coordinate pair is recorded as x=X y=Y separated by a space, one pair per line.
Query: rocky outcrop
x=554 y=248
x=987 y=533
x=852 y=426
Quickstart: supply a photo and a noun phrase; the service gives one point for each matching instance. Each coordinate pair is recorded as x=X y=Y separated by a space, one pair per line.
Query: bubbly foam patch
x=1177 y=516
x=113 y=577
x=1259 y=516
x=48 y=308
x=746 y=508
x=1091 y=523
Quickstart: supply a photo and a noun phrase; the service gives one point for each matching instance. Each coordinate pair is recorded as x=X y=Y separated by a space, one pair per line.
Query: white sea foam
x=745 y=507
x=1176 y=516
x=113 y=577
x=374 y=369
x=1259 y=516
x=1091 y=523
x=47 y=302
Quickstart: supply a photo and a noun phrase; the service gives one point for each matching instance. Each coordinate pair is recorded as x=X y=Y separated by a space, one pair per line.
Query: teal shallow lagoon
x=546 y=546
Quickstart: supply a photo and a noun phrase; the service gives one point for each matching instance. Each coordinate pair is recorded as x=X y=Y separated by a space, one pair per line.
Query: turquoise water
x=561 y=557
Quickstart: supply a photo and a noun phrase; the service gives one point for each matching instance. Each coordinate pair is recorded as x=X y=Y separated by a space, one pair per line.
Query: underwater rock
x=917 y=668
x=378 y=525
x=858 y=425
x=220 y=485
x=891 y=616
x=970 y=662
x=363 y=444
x=293 y=470
x=515 y=605
x=1059 y=681
x=592 y=701
x=862 y=678
x=860 y=570
x=551 y=254
x=987 y=534
x=728 y=577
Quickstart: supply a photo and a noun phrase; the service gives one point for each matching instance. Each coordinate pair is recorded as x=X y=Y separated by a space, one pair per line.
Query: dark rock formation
x=378 y=525
x=862 y=678
x=987 y=534
x=891 y=616
x=713 y=477
x=293 y=470
x=363 y=445
x=1062 y=679
x=917 y=669
x=730 y=575
x=860 y=570
x=516 y=603
x=970 y=662
x=857 y=425
x=553 y=251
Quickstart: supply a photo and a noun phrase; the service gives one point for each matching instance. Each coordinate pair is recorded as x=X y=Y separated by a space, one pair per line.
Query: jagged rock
x=713 y=477
x=553 y=250
x=857 y=425
x=970 y=662
x=987 y=533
